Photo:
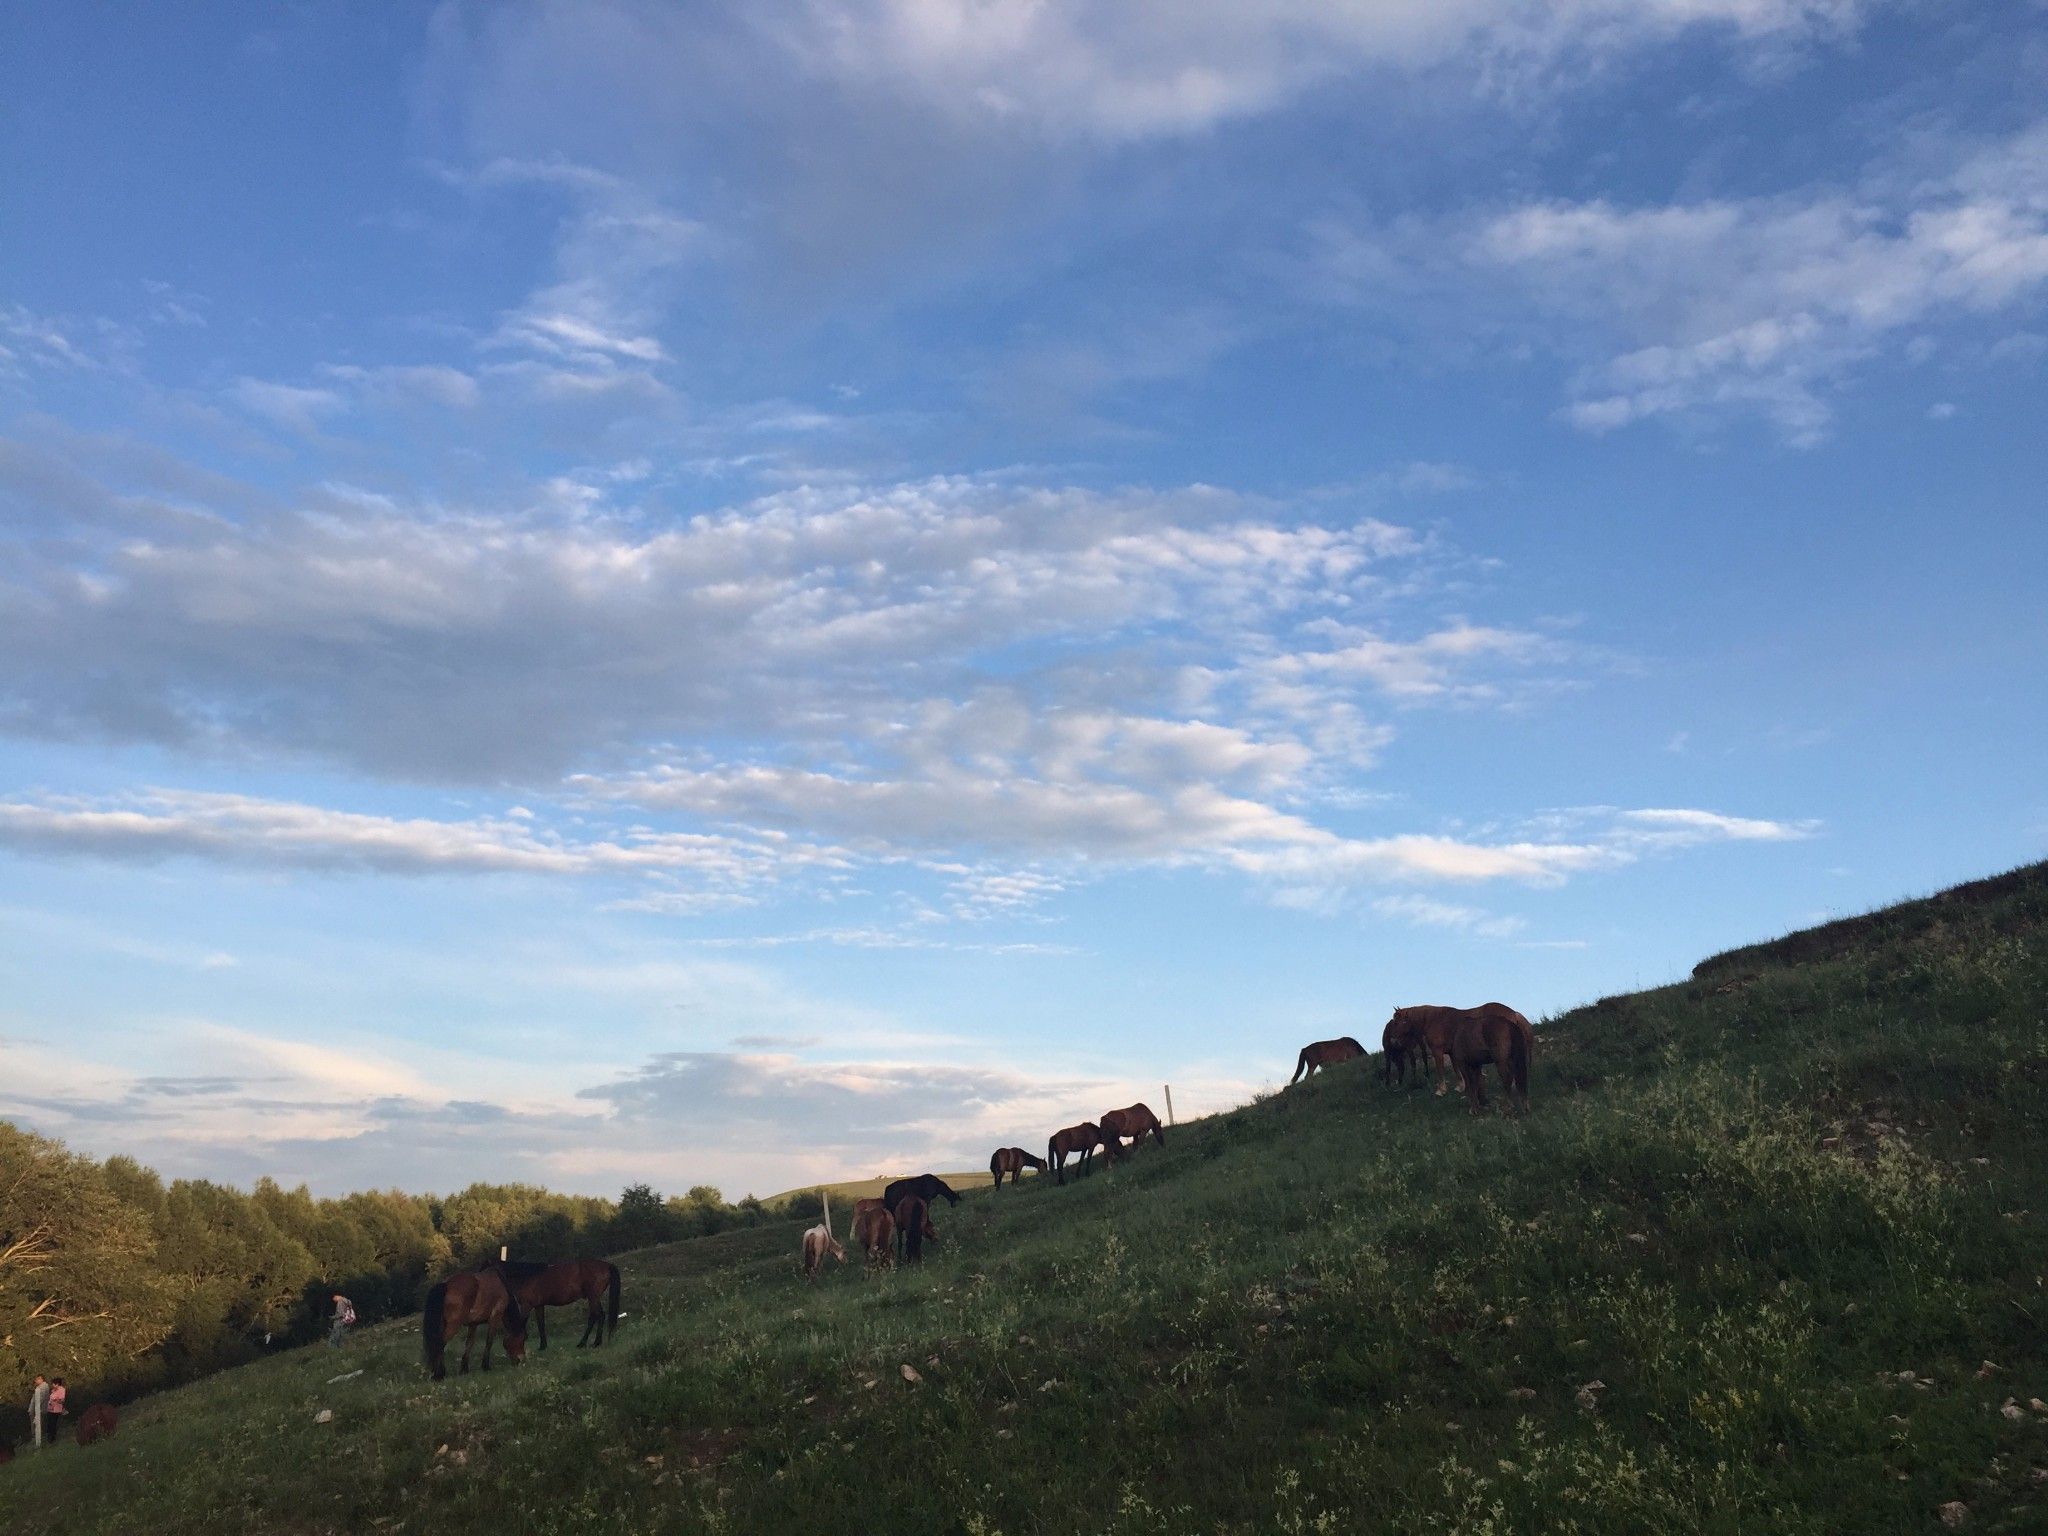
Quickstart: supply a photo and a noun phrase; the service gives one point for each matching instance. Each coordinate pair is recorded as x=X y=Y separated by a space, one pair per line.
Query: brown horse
x=913 y=1226
x=593 y=1282
x=1498 y=1035
x=1429 y=1029
x=464 y=1301
x=1083 y=1138
x=97 y=1423
x=1137 y=1122
x=1013 y=1161
x=1324 y=1053
x=875 y=1230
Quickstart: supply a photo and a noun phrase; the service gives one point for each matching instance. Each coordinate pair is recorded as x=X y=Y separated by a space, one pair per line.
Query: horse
x=1324 y=1053
x=1429 y=1029
x=465 y=1300
x=926 y=1186
x=875 y=1230
x=1398 y=1041
x=1137 y=1122
x=913 y=1226
x=1496 y=1034
x=1013 y=1161
x=593 y=1282
x=97 y=1423
x=1083 y=1138
x=818 y=1241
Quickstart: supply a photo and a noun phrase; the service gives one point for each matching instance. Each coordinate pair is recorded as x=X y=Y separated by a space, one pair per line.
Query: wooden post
x=1169 y=1104
x=504 y=1252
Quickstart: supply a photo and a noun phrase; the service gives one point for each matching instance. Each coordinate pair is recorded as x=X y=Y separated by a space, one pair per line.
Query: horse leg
x=468 y=1338
x=490 y=1338
x=594 y=1320
x=540 y=1318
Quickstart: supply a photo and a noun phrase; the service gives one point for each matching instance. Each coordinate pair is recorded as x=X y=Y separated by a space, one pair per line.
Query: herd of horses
x=502 y=1296
x=1447 y=1043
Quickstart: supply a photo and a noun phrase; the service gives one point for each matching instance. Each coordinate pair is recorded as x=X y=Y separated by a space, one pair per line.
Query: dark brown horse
x=913 y=1226
x=1324 y=1053
x=1429 y=1029
x=1013 y=1161
x=1499 y=1036
x=1137 y=1122
x=1083 y=1138
x=926 y=1186
x=464 y=1301
x=97 y=1423
x=1400 y=1042
x=593 y=1282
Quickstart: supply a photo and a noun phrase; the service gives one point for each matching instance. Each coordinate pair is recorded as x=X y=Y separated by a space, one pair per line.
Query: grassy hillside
x=1769 y=1255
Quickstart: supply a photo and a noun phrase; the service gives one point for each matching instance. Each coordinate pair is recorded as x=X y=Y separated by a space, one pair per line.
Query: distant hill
x=1769 y=1255
x=844 y=1194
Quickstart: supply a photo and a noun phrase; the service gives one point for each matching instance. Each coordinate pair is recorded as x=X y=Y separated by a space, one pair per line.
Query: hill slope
x=1683 y=1295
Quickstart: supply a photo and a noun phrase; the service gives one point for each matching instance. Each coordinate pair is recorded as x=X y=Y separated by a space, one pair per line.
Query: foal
x=818 y=1241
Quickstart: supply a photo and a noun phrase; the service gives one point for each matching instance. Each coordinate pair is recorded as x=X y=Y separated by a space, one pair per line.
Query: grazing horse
x=1429 y=1029
x=875 y=1230
x=913 y=1226
x=1324 y=1053
x=1013 y=1161
x=818 y=1241
x=1083 y=1138
x=1400 y=1040
x=1496 y=1034
x=96 y=1423
x=466 y=1300
x=1137 y=1122
x=593 y=1282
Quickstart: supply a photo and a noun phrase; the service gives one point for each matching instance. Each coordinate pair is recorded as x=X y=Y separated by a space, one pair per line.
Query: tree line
x=124 y=1283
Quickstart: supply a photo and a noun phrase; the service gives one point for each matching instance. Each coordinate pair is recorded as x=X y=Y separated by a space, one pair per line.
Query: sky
x=746 y=594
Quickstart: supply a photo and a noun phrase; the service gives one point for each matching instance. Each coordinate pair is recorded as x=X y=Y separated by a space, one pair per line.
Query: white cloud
x=1122 y=73
x=1765 y=304
x=1427 y=912
x=241 y=830
x=297 y=406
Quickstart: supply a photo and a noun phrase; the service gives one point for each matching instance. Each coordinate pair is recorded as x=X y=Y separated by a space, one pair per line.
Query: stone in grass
x=1589 y=1395
x=910 y=1373
x=324 y=1416
x=1954 y=1513
x=2013 y=1410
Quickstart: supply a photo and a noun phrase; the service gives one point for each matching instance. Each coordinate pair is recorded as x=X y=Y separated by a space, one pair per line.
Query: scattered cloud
x=1724 y=306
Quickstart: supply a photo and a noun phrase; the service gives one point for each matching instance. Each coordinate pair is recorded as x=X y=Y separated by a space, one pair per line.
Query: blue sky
x=744 y=594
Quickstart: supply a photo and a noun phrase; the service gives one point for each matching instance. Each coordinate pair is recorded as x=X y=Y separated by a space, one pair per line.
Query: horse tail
x=1521 y=1046
x=1300 y=1066
x=611 y=1290
x=434 y=1324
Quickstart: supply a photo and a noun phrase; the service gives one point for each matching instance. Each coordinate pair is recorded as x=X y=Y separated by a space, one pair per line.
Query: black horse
x=924 y=1188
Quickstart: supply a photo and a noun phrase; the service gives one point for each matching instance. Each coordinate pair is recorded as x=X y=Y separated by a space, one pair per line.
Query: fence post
x=1169 y=1104
x=504 y=1252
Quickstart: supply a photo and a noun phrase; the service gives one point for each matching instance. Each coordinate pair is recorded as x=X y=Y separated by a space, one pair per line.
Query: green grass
x=1745 y=1205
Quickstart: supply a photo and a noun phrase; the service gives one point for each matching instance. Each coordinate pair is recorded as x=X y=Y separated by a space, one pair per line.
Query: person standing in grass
x=54 y=1410
x=38 y=1402
x=344 y=1319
